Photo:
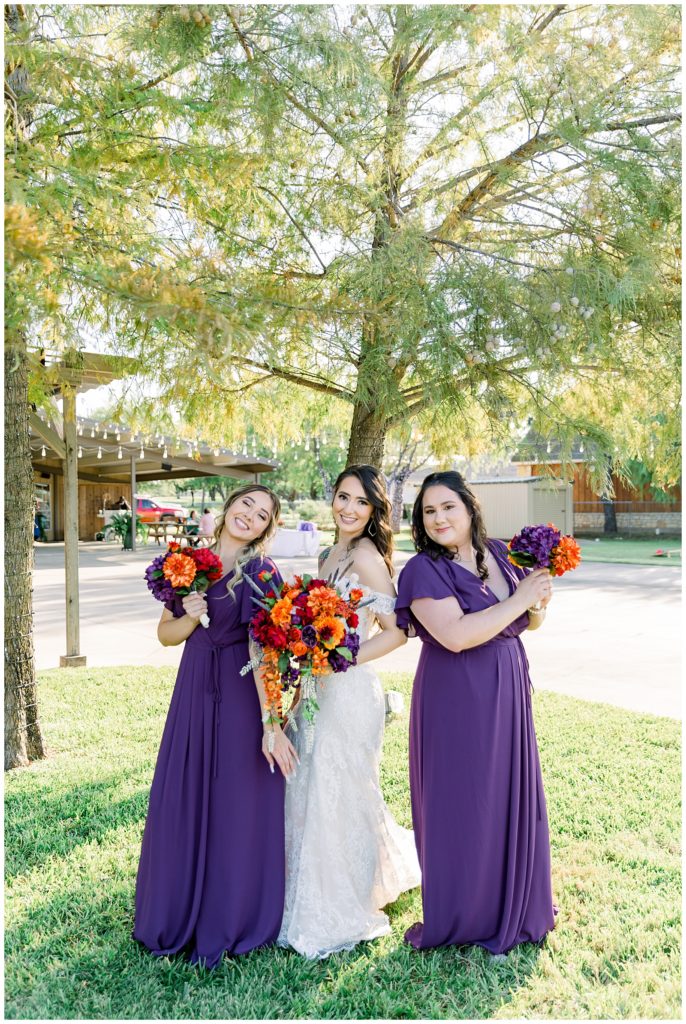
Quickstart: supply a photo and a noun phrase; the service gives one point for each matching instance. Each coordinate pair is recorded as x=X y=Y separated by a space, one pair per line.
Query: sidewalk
x=612 y=632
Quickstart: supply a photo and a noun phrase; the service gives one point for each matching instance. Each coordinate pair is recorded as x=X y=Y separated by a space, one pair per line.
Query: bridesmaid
x=211 y=872
x=478 y=807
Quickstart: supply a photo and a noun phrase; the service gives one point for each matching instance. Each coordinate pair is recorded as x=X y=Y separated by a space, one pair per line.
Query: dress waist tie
x=238 y=636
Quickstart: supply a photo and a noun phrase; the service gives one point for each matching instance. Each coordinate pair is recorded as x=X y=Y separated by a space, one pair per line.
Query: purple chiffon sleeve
x=421 y=577
x=254 y=568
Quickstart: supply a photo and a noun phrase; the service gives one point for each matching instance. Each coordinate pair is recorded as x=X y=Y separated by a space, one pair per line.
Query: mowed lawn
x=73 y=829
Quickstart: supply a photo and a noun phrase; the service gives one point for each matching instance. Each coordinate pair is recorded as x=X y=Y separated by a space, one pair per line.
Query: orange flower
x=179 y=570
x=356 y=594
x=271 y=680
x=331 y=631
x=323 y=601
x=299 y=649
x=320 y=662
x=281 y=612
x=564 y=556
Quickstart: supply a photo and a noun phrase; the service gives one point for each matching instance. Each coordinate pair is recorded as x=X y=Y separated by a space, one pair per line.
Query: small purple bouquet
x=544 y=547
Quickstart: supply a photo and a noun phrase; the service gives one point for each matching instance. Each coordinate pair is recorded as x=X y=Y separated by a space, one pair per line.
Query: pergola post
x=133 y=502
x=73 y=657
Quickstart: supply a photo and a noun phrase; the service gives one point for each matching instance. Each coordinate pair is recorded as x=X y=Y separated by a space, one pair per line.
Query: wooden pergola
x=83 y=449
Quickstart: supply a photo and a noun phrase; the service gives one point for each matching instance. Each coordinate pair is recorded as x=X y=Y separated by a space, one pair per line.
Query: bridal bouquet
x=305 y=629
x=544 y=547
x=180 y=570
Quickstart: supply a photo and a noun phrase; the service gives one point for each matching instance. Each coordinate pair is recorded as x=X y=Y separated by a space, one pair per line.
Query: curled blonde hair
x=256 y=547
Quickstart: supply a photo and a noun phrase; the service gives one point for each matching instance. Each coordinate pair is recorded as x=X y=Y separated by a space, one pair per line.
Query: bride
x=346 y=857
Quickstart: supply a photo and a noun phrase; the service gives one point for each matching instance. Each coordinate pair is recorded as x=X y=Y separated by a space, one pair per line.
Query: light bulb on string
x=118 y=435
x=141 y=454
x=120 y=454
x=79 y=427
x=342 y=443
x=164 y=453
x=581 y=448
x=99 y=452
x=104 y=434
x=43 y=451
x=80 y=452
x=92 y=431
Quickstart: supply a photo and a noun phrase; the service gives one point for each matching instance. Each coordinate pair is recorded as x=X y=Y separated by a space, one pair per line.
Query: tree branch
x=306 y=381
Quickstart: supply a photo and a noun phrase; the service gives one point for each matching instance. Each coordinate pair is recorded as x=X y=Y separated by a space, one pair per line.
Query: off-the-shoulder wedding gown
x=346 y=857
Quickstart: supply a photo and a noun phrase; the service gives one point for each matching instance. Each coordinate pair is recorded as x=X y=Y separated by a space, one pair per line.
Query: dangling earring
x=369 y=528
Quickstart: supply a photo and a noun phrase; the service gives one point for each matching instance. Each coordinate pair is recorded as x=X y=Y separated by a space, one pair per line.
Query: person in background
x=192 y=528
x=206 y=528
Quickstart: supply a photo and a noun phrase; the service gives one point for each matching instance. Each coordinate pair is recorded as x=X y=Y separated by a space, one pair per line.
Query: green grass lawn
x=634 y=550
x=73 y=829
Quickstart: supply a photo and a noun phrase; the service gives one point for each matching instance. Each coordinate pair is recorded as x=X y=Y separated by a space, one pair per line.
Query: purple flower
x=159 y=586
x=338 y=662
x=290 y=676
x=352 y=642
x=535 y=543
x=309 y=636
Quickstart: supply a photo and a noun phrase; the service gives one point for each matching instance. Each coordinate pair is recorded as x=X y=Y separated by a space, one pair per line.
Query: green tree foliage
x=463 y=215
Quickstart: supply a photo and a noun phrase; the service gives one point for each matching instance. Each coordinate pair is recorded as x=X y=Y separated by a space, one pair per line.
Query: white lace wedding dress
x=346 y=857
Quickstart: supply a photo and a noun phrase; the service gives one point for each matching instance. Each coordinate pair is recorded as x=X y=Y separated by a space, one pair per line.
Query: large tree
x=459 y=213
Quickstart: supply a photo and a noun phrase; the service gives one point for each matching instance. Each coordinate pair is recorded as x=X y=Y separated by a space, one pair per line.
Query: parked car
x=152 y=511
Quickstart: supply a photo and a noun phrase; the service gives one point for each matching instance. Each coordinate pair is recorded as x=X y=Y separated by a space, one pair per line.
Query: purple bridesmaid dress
x=478 y=808
x=212 y=867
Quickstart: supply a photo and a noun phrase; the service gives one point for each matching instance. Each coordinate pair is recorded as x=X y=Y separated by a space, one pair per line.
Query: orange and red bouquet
x=180 y=570
x=305 y=629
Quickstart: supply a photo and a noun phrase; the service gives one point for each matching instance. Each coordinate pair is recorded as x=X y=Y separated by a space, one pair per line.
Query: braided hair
x=422 y=542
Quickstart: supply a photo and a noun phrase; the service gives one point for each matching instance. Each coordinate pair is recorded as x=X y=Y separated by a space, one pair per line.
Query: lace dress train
x=346 y=857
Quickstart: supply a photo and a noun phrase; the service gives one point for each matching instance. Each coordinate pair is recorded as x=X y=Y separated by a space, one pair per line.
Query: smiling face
x=351 y=508
x=446 y=517
x=248 y=516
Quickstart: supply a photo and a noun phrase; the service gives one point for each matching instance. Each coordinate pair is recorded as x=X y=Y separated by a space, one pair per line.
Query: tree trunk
x=397 y=500
x=609 y=508
x=325 y=478
x=367 y=438
x=23 y=740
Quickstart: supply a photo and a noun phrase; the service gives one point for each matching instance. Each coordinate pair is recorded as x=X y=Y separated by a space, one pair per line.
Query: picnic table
x=177 y=531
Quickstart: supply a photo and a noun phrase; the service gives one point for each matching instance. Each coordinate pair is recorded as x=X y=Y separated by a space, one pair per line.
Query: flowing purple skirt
x=478 y=807
x=211 y=872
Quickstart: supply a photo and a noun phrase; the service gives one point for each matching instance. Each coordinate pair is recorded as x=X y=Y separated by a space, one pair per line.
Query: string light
x=141 y=454
x=99 y=452
x=118 y=435
x=307 y=444
x=120 y=453
x=79 y=425
x=104 y=434
x=43 y=451
x=164 y=453
x=92 y=431
x=80 y=452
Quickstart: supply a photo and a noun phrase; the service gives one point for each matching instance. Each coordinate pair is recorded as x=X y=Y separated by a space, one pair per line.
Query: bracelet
x=536 y=611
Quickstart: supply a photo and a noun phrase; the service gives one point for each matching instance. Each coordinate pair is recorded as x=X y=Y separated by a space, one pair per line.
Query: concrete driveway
x=612 y=633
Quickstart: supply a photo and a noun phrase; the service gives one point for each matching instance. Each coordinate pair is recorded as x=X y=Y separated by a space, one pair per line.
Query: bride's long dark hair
x=378 y=528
